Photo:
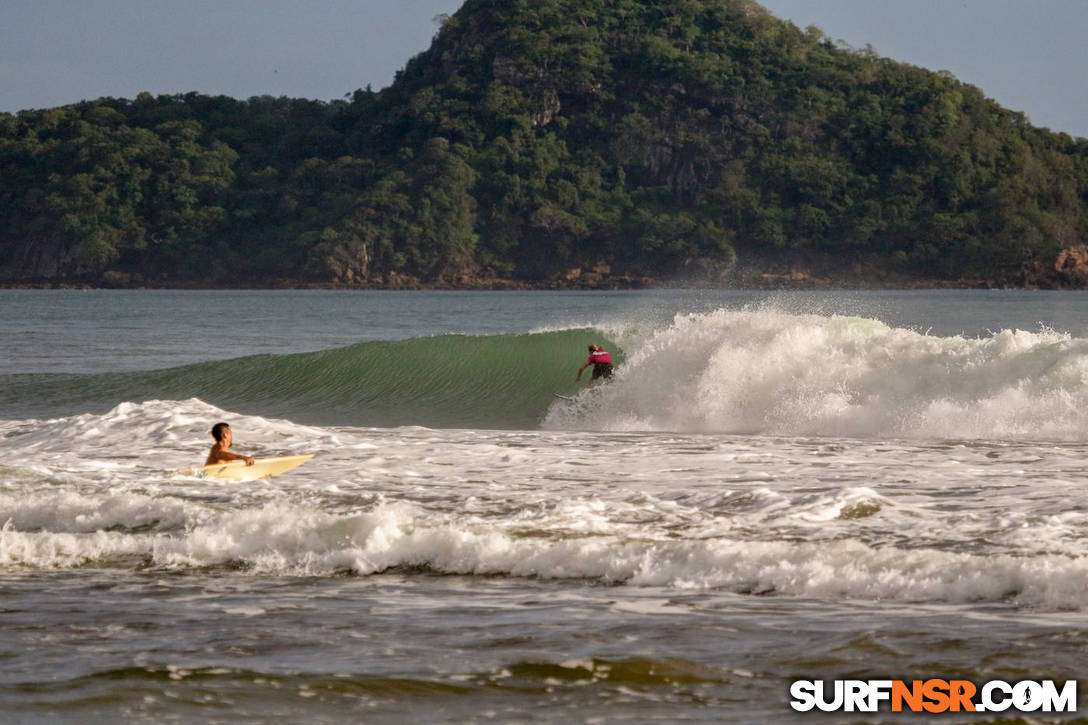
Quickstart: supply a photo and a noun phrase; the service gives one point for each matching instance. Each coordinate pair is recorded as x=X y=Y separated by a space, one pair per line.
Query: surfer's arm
x=579 y=375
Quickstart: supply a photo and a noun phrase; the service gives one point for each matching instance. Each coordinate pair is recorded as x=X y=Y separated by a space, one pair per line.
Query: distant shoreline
x=763 y=281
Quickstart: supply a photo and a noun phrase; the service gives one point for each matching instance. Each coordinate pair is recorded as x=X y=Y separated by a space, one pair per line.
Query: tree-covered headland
x=582 y=142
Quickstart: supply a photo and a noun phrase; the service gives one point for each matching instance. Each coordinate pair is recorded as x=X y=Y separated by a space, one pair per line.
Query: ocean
x=775 y=486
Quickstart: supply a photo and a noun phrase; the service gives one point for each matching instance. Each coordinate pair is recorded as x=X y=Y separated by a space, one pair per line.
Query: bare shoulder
x=215 y=456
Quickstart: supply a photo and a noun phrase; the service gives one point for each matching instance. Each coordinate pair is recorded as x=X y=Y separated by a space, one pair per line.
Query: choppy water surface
x=881 y=485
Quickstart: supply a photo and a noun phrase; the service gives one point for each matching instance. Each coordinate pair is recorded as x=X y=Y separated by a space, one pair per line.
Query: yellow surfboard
x=239 y=471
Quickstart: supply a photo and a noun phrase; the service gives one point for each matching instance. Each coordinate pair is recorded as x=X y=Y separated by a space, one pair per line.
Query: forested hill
x=556 y=142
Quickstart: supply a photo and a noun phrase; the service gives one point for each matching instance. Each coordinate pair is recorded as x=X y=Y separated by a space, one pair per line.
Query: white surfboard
x=239 y=471
x=562 y=397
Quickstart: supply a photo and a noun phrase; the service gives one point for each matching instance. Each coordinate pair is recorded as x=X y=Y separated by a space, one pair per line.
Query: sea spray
x=769 y=372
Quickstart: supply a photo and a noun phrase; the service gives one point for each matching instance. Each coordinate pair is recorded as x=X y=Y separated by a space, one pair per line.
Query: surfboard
x=562 y=397
x=239 y=471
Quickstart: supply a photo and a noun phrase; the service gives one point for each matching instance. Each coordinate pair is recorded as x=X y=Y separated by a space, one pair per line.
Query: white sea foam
x=132 y=434
x=278 y=539
x=828 y=518
x=642 y=542
x=49 y=550
x=770 y=372
x=70 y=512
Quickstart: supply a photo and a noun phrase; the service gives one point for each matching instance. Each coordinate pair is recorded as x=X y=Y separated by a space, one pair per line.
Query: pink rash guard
x=599 y=357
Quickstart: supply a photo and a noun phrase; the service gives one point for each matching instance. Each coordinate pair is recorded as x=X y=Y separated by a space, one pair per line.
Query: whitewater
x=772 y=487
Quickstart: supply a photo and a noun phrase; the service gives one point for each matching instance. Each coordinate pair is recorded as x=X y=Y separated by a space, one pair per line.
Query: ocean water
x=774 y=486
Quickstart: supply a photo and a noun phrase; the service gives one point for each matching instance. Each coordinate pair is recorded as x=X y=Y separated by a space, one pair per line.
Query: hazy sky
x=1029 y=55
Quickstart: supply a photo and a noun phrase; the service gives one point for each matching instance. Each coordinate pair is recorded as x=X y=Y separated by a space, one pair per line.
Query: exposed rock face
x=547 y=109
x=1072 y=264
x=1069 y=270
x=349 y=263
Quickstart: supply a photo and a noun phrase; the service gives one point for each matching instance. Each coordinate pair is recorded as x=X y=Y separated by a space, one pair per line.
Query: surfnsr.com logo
x=933 y=695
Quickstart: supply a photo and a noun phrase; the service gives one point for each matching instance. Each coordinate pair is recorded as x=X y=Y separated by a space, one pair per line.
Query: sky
x=1028 y=55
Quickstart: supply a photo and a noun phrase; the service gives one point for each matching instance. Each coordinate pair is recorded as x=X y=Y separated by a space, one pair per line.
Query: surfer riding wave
x=601 y=360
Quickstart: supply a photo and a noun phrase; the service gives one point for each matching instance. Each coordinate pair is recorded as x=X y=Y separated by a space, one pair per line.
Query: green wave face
x=449 y=381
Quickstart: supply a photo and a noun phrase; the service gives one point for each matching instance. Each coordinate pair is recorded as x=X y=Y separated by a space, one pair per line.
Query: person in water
x=221 y=452
x=601 y=362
